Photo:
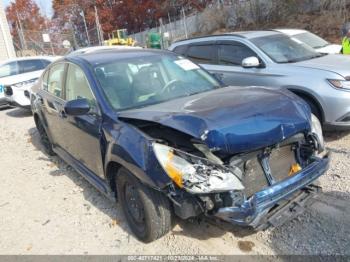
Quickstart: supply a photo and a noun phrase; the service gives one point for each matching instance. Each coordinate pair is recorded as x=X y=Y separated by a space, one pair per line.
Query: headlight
x=20 y=84
x=316 y=129
x=341 y=84
x=194 y=174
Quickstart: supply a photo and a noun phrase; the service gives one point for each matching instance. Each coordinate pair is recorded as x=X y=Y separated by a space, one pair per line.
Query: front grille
x=281 y=160
x=254 y=178
x=8 y=91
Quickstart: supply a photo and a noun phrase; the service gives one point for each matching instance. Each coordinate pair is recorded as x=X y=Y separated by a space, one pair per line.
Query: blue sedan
x=162 y=136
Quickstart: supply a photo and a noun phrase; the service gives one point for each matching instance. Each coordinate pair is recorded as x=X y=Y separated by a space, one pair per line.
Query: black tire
x=314 y=109
x=45 y=140
x=147 y=211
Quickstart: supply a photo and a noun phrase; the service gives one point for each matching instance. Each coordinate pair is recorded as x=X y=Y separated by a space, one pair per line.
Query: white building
x=6 y=45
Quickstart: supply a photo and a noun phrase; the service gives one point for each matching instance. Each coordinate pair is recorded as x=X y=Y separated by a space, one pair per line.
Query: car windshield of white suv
x=142 y=81
x=9 y=69
x=284 y=49
x=311 y=39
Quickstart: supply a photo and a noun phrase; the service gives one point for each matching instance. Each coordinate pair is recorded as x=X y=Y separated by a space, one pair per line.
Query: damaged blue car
x=163 y=137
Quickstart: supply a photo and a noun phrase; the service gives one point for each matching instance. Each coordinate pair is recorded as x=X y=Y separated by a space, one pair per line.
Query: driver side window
x=77 y=86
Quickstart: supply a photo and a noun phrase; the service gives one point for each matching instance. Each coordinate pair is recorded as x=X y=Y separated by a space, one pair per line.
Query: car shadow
x=323 y=229
x=5 y=108
x=92 y=195
x=199 y=228
x=18 y=112
x=330 y=136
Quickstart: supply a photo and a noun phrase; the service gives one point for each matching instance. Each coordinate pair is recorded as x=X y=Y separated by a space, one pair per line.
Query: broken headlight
x=194 y=174
x=316 y=129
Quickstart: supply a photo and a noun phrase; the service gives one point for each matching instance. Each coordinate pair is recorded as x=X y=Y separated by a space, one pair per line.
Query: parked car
x=160 y=134
x=268 y=58
x=312 y=40
x=17 y=76
x=92 y=49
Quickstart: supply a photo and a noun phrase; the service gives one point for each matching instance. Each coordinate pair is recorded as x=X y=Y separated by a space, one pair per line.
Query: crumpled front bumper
x=253 y=212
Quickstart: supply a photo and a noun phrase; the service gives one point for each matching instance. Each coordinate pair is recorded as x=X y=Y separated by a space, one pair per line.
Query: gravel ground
x=47 y=208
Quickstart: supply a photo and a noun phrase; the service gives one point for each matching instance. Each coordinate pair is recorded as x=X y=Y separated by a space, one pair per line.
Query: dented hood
x=231 y=119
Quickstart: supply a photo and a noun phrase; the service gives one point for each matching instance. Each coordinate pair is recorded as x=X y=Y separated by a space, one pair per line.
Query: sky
x=45 y=5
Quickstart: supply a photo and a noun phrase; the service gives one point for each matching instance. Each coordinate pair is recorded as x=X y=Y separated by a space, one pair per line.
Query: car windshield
x=8 y=70
x=284 y=49
x=142 y=81
x=311 y=39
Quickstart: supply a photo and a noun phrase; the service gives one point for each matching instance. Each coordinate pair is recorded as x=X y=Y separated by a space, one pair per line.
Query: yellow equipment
x=120 y=37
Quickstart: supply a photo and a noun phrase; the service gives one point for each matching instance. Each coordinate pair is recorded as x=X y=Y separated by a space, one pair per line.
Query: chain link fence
x=31 y=43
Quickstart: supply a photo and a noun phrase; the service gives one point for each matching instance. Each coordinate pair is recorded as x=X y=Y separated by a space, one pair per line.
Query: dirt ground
x=47 y=208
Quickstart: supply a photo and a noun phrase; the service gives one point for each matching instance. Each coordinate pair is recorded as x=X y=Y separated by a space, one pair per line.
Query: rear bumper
x=254 y=211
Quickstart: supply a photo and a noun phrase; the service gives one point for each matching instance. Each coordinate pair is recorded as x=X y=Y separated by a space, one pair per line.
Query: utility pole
x=86 y=30
x=24 y=44
x=98 y=27
x=184 y=22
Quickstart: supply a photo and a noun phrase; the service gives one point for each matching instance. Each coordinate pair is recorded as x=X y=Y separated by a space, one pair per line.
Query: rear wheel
x=147 y=211
x=45 y=140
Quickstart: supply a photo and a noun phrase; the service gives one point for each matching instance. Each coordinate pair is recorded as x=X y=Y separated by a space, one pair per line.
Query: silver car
x=316 y=42
x=273 y=59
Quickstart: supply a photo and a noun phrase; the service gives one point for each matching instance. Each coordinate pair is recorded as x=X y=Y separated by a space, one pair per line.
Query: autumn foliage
x=68 y=16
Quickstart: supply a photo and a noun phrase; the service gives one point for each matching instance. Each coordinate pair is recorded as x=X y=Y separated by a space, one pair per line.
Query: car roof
x=91 y=49
x=241 y=34
x=110 y=55
x=290 y=31
x=253 y=34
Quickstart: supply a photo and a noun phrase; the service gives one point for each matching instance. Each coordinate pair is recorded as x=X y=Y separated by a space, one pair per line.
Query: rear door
x=51 y=96
x=203 y=53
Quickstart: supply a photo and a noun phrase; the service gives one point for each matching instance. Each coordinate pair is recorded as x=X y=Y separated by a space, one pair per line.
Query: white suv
x=17 y=76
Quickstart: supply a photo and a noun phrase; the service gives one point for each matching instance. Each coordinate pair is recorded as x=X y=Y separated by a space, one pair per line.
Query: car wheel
x=314 y=109
x=45 y=140
x=147 y=211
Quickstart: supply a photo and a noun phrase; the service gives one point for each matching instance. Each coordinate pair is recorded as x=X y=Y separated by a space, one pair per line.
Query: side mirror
x=77 y=107
x=250 y=62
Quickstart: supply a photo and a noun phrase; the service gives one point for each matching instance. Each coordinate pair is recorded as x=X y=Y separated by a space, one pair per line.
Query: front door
x=82 y=133
x=229 y=65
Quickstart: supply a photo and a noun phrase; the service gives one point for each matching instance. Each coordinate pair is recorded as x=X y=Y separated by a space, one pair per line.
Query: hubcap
x=133 y=204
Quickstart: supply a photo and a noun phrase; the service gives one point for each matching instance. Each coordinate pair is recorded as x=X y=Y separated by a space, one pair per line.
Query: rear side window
x=181 y=50
x=234 y=54
x=202 y=54
x=27 y=66
x=56 y=80
x=9 y=69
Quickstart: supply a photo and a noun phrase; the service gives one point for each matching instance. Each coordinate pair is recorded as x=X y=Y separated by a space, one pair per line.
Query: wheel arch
x=307 y=96
x=112 y=169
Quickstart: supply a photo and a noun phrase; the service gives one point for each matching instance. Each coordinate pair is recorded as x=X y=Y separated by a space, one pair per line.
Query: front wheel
x=147 y=211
